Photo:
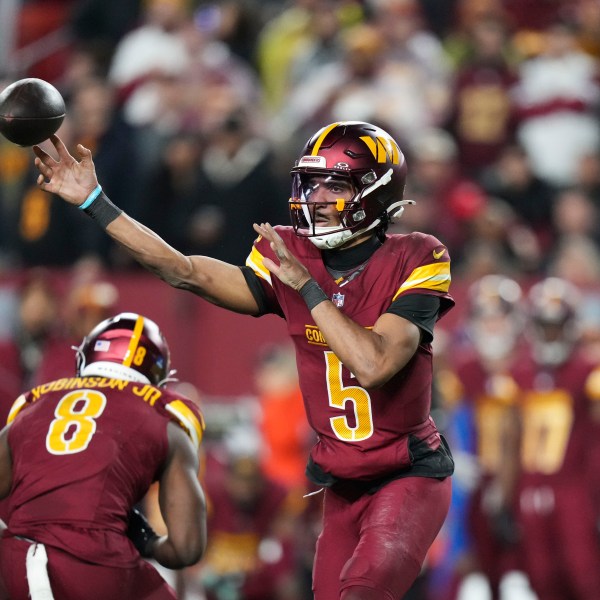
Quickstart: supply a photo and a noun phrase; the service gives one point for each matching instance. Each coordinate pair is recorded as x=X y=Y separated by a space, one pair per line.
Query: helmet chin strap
x=328 y=241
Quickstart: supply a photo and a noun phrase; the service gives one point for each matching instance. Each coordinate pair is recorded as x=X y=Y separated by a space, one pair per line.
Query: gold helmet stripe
x=321 y=139
x=134 y=341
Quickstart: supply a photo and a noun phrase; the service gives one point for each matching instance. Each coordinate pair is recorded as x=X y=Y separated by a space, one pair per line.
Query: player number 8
x=75 y=423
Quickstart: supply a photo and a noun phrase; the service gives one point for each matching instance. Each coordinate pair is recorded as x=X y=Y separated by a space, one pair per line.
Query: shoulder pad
x=190 y=420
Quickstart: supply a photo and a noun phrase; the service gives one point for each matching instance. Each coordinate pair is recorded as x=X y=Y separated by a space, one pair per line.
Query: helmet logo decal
x=384 y=149
x=313 y=161
x=135 y=339
x=102 y=345
x=341 y=165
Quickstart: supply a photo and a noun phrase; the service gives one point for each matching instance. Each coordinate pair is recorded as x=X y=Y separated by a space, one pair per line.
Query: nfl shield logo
x=338 y=300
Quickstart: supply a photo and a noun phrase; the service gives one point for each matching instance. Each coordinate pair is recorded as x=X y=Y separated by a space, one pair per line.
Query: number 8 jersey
x=84 y=451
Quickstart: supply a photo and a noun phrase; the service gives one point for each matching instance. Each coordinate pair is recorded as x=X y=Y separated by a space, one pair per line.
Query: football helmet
x=495 y=316
x=126 y=346
x=365 y=156
x=553 y=306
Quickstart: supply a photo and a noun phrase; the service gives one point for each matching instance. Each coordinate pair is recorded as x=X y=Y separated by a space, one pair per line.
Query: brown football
x=31 y=110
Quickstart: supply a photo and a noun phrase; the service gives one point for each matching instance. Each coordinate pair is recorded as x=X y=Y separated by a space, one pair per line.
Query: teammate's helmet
x=366 y=156
x=553 y=305
x=495 y=315
x=126 y=346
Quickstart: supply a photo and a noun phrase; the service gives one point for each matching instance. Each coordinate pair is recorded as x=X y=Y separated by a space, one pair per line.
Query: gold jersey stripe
x=134 y=341
x=321 y=139
x=187 y=419
x=255 y=262
x=430 y=277
x=18 y=404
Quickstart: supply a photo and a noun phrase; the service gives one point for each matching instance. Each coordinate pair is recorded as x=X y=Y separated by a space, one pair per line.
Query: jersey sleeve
x=427 y=271
x=259 y=279
x=21 y=403
x=184 y=413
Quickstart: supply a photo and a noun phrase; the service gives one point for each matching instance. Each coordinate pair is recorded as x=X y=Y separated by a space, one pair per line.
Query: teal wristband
x=91 y=198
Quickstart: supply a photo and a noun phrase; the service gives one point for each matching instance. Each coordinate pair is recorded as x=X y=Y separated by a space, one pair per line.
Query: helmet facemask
x=353 y=213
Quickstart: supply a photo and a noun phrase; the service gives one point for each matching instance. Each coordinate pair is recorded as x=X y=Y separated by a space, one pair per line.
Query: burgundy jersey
x=557 y=432
x=490 y=396
x=85 y=450
x=363 y=434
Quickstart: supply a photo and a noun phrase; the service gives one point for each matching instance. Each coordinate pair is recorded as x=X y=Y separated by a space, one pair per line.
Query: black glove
x=140 y=532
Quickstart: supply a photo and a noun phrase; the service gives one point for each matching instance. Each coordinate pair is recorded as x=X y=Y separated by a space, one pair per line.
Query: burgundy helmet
x=126 y=346
x=553 y=312
x=371 y=160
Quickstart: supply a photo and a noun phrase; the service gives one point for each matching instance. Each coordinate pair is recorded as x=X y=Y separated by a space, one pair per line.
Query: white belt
x=37 y=573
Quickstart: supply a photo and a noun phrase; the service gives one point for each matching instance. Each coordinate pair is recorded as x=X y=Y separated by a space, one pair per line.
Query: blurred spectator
x=38 y=322
x=512 y=180
x=437 y=185
x=234 y=23
x=574 y=214
x=557 y=100
x=98 y=25
x=212 y=199
x=215 y=83
x=283 y=424
x=145 y=70
x=94 y=121
x=281 y=40
x=375 y=80
x=322 y=47
x=558 y=386
x=481 y=116
x=146 y=56
x=498 y=241
x=87 y=303
x=249 y=554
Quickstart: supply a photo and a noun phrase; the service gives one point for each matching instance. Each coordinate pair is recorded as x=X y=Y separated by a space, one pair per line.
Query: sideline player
x=360 y=306
x=79 y=453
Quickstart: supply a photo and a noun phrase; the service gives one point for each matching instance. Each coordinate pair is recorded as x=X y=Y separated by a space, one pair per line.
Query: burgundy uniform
x=362 y=434
x=371 y=435
x=85 y=450
x=491 y=396
x=557 y=514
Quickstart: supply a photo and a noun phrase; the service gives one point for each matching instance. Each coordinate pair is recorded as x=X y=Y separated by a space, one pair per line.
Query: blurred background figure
x=285 y=433
x=559 y=393
x=481 y=116
x=36 y=324
x=485 y=432
x=250 y=525
x=557 y=100
x=87 y=303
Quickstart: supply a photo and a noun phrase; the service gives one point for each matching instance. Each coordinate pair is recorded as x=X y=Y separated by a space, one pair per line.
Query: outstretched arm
x=182 y=505
x=216 y=281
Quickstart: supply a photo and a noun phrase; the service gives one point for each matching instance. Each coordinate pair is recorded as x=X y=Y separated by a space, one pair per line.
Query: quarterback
x=360 y=306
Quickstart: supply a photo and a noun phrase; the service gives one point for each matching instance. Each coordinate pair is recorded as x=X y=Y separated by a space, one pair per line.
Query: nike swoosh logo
x=439 y=254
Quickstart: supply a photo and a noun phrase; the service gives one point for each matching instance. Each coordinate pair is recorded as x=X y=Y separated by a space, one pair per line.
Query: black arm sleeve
x=257 y=290
x=420 y=309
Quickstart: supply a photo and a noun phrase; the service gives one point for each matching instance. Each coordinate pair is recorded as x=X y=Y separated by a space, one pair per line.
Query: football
x=31 y=110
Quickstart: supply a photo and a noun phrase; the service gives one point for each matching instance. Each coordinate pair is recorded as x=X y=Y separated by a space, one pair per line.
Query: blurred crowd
x=195 y=112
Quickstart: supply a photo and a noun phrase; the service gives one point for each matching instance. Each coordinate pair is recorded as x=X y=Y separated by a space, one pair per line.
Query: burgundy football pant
x=72 y=579
x=378 y=541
